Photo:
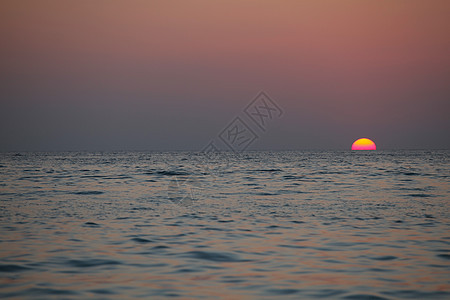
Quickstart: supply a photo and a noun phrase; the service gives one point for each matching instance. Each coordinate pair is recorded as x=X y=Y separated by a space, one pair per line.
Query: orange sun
x=364 y=144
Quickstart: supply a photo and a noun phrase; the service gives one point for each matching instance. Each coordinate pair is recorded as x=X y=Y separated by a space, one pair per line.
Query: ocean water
x=252 y=225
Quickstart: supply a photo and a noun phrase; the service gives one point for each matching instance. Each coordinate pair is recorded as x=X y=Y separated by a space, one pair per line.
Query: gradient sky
x=170 y=75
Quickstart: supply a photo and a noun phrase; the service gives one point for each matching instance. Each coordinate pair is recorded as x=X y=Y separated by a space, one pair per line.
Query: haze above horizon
x=136 y=75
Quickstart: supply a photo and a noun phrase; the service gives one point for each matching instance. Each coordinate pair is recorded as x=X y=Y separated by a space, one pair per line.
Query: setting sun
x=364 y=144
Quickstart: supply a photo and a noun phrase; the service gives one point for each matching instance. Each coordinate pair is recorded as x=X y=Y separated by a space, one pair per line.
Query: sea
x=248 y=225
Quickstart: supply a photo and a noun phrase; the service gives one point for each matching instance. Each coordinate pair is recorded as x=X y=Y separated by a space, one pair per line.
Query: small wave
x=103 y=292
x=187 y=270
x=266 y=194
x=410 y=173
x=420 y=195
x=387 y=257
x=292 y=246
x=118 y=177
x=326 y=293
x=414 y=294
x=13 y=268
x=214 y=256
x=267 y=170
x=91 y=224
x=379 y=270
x=444 y=256
x=215 y=229
x=33 y=292
x=142 y=208
x=292 y=177
x=87 y=263
x=365 y=297
x=141 y=240
x=413 y=189
x=160 y=247
x=282 y=291
x=297 y=222
x=172 y=173
x=89 y=193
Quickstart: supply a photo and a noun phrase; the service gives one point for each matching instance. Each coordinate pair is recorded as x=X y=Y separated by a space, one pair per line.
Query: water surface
x=345 y=225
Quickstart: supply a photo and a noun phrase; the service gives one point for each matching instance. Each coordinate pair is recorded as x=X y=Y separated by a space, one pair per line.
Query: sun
x=364 y=144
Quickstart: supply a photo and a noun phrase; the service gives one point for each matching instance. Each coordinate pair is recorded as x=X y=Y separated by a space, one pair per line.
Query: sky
x=172 y=75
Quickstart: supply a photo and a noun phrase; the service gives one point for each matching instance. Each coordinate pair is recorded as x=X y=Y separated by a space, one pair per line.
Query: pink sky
x=139 y=72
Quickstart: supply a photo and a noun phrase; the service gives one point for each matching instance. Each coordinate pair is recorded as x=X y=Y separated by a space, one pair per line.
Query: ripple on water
x=42 y=292
x=282 y=291
x=415 y=294
x=141 y=240
x=420 y=195
x=160 y=247
x=89 y=193
x=11 y=268
x=364 y=297
x=103 y=292
x=386 y=257
x=172 y=173
x=323 y=293
x=214 y=256
x=91 y=224
x=89 y=263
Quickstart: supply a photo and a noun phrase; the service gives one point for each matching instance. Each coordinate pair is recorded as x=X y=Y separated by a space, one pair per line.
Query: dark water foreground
x=350 y=225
